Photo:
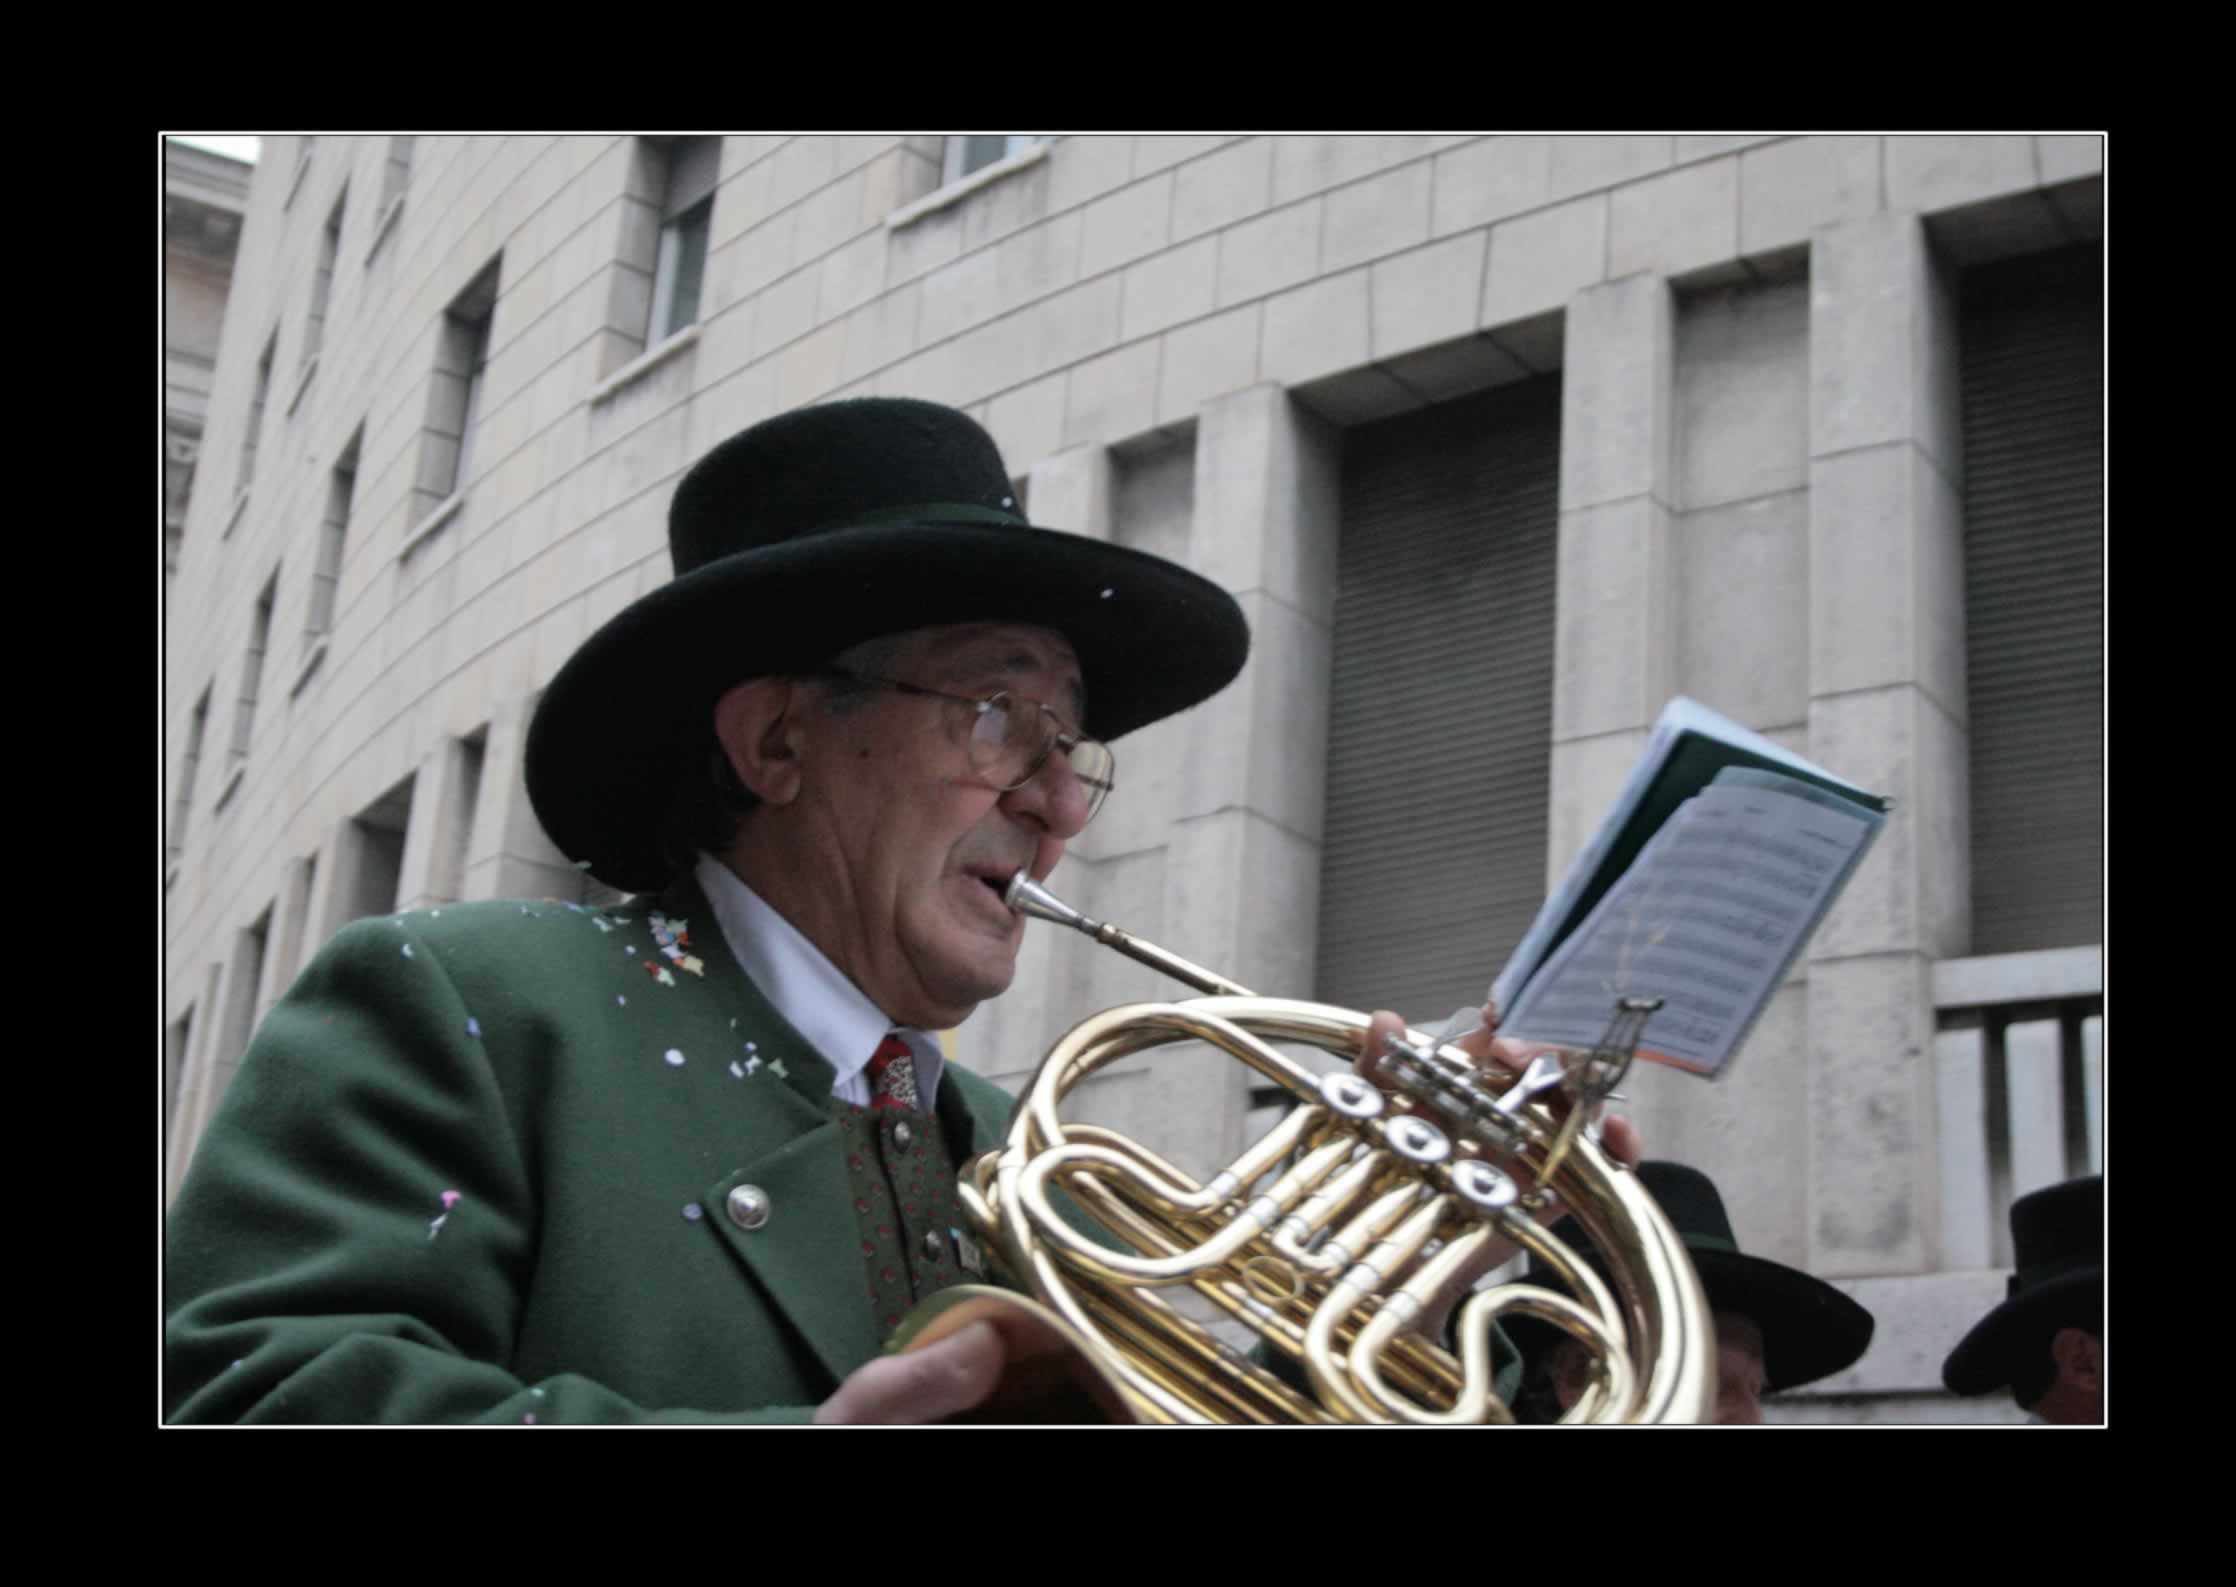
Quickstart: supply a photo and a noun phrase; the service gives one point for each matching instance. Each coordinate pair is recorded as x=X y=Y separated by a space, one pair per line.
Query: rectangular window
x=1451 y=524
x=396 y=175
x=476 y=354
x=256 y=410
x=303 y=148
x=241 y=1007
x=373 y=857
x=182 y=806
x=976 y=151
x=252 y=670
x=176 y=1042
x=341 y=490
x=446 y=817
x=454 y=396
x=322 y=284
x=686 y=209
x=2033 y=424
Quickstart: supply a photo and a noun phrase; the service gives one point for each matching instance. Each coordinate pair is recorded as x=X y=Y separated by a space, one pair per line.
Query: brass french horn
x=1328 y=1238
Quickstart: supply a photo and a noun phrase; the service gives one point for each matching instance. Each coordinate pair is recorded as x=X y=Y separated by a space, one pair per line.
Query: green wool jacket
x=475 y=1168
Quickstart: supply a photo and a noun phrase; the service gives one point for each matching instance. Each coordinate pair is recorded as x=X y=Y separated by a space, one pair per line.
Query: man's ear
x=757 y=726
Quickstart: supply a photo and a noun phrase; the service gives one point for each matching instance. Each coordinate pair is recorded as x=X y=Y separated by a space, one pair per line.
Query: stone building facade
x=204 y=198
x=1737 y=378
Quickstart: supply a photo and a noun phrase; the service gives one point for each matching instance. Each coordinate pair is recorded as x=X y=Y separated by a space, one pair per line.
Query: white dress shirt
x=812 y=992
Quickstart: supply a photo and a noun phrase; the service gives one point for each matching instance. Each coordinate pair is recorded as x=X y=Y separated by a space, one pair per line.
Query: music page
x=1707 y=919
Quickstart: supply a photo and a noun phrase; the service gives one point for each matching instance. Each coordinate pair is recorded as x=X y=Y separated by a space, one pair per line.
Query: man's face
x=2076 y=1394
x=905 y=850
x=1738 y=1371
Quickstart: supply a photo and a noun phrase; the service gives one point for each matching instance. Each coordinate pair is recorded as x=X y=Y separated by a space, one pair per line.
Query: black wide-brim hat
x=1810 y=1330
x=815 y=531
x=2057 y=1238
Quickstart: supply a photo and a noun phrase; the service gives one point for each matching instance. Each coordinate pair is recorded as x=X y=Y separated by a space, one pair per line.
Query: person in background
x=1776 y=1326
x=2045 y=1342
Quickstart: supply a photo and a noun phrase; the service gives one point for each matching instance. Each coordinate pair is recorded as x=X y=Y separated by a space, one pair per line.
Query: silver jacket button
x=749 y=1206
x=932 y=1248
x=902 y=1135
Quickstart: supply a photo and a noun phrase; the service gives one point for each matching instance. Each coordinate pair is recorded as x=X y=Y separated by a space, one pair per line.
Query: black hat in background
x=2057 y=1236
x=1810 y=1330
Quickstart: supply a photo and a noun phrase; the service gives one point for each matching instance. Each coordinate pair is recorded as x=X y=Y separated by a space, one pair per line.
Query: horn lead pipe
x=1028 y=897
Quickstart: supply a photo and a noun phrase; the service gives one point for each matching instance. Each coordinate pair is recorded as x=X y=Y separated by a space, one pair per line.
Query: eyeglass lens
x=1010 y=741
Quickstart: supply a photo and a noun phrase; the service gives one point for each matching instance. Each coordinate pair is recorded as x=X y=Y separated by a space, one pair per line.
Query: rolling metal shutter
x=2033 y=360
x=1440 y=728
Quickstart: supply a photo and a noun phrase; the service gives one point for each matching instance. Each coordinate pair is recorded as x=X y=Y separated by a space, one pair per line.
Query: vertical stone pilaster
x=1614 y=642
x=485 y=835
x=1075 y=490
x=419 y=881
x=1886 y=710
x=1241 y=878
x=324 y=899
x=285 y=956
x=1614 y=639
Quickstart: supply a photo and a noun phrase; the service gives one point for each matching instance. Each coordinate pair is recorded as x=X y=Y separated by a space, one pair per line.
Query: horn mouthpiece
x=1028 y=897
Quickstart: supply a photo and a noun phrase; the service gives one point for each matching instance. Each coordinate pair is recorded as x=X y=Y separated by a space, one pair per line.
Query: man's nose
x=1053 y=797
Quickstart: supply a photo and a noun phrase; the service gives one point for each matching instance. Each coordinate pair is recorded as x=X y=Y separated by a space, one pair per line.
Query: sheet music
x=1707 y=919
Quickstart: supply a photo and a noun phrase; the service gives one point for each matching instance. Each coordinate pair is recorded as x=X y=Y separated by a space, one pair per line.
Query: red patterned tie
x=893 y=1076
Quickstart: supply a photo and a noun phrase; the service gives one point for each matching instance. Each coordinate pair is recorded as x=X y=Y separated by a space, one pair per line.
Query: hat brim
x=620 y=722
x=1810 y=1329
x=1982 y=1360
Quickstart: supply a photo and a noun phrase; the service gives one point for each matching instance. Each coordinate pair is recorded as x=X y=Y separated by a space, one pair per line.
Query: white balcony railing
x=2019 y=1061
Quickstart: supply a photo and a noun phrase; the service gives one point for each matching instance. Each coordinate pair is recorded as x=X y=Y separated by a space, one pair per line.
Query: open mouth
x=995 y=881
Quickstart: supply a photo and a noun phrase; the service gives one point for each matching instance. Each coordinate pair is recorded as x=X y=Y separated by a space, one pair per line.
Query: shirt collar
x=804 y=986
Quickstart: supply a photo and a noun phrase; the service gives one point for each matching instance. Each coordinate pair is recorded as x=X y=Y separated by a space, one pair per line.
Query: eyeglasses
x=1012 y=737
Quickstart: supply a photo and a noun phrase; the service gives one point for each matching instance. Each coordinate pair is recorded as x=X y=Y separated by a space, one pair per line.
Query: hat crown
x=833 y=466
x=1690 y=1200
x=2057 y=1231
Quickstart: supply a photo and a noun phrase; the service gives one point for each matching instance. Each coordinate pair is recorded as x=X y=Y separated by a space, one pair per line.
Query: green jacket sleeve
x=359 y=1232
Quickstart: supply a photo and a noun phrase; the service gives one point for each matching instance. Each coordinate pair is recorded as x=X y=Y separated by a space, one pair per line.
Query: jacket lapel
x=802 y=1255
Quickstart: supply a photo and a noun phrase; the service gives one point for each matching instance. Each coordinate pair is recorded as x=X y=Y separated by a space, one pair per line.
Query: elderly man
x=689 y=1159
x=2045 y=1342
x=692 y=1158
x=1776 y=1326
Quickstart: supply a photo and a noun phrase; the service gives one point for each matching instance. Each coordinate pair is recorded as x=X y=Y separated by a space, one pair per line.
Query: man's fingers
x=1620 y=1139
x=923 y=1385
x=1494 y=1053
x=1379 y=1030
x=1504 y=1060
